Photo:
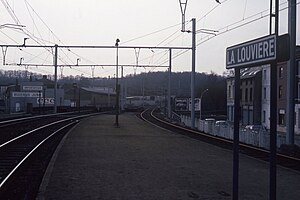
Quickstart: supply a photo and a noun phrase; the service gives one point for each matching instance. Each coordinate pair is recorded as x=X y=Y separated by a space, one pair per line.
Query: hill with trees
x=149 y=84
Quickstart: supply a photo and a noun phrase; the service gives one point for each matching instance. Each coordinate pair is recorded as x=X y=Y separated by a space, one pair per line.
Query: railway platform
x=139 y=161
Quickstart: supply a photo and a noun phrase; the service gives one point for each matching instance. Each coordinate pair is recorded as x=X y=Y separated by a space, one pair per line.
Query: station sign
x=27 y=94
x=258 y=51
x=185 y=104
x=32 y=88
x=47 y=101
x=181 y=104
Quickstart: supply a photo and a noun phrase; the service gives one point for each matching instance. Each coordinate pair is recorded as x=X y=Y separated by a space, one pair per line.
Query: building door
x=18 y=107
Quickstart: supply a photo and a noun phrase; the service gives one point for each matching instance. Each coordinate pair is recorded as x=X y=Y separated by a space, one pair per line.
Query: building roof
x=100 y=90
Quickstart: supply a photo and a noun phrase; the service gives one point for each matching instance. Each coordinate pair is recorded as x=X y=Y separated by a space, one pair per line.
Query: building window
x=280 y=91
x=229 y=91
x=280 y=73
x=251 y=94
x=246 y=94
x=281 y=118
x=264 y=116
x=265 y=74
x=265 y=93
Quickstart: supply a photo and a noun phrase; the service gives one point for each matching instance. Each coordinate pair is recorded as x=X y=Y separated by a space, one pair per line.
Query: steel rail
x=34 y=117
x=45 y=126
x=31 y=152
x=217 y=138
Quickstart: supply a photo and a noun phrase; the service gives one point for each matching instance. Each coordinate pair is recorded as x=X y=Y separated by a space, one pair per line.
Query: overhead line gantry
x=55 y=61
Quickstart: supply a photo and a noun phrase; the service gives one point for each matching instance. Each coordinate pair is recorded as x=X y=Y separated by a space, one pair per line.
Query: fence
x=260 y=138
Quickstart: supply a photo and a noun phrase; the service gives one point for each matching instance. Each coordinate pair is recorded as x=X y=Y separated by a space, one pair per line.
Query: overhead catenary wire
x=10 y=11
x=8 y=36
x=39 y=41
x=54 y=35
x=33 y=21
x=246 y=1
x=148 y=34
x=210 y=11
x=32 y=35
x=231 y=27
x=199 y=42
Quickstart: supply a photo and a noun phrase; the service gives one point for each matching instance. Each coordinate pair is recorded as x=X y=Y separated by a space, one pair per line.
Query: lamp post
x=201 y=102
x=183 y=5
x=117 y=83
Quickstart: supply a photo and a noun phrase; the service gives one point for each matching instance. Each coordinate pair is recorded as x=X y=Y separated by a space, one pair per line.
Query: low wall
x=256 y=138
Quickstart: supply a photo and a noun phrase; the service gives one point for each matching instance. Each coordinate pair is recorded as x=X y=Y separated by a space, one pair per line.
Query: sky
x=152 y=23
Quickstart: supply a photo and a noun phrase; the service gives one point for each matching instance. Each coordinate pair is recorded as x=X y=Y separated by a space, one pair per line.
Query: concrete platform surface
x=138 y=161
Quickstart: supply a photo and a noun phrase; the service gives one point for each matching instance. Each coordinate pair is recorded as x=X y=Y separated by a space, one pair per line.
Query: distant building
x=257 y=80
x=265 y=97
x=250 y=96
x=97 y=96
x=134 y=102
x=25 y=96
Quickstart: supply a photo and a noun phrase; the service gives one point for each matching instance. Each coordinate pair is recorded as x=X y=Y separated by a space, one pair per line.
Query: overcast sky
x=100 y=22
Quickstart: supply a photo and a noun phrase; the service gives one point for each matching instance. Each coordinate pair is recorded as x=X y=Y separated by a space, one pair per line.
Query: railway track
x=15 y=127
x=26 y=147
x=158 y=120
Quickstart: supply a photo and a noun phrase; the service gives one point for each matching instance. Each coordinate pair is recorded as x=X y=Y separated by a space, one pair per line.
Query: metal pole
x=271 y=16
x=122 y=89
x=55 y=78
x=143 y=90
x=169 y=84
x=183 y=4
x=273 y=116
x=236 y=137
x=44 y=99
x=193 y=73
x=117 y=83
x=39 y=102
x=79 y=99
x=290 y=139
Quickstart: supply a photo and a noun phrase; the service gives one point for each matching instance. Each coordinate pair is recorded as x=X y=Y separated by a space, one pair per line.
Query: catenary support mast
x=291 y=73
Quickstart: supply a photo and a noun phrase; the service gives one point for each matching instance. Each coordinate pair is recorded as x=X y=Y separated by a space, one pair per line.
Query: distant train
x=141 y=102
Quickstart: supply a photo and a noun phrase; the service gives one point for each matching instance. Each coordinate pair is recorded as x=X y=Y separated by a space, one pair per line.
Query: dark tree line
x=156 y=83
x=149 y=84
